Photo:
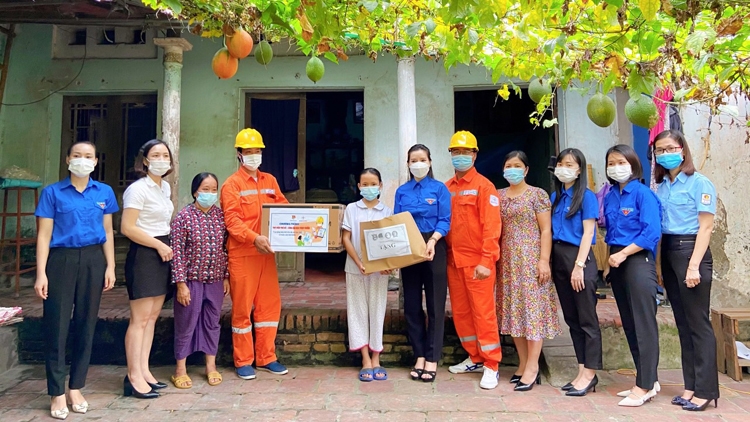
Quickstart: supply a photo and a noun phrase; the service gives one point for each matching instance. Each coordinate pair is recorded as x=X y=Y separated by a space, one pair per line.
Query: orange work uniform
x=473 y=240
x=253 y=280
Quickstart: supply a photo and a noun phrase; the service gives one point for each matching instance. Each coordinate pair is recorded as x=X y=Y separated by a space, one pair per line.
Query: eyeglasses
x=660 y=151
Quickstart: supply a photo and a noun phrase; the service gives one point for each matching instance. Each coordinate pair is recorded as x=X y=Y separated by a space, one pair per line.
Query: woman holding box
x=429 y=202
x=366 y=294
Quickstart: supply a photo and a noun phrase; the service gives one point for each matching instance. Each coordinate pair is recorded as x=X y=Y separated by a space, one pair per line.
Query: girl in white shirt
x=366 y=294
x=145 y=221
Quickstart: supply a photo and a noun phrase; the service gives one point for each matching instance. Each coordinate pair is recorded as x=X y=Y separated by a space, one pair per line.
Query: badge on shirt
x=706 y=199
x=494 y=201
x=626 y=211
x=102 y=205
x=430 y=200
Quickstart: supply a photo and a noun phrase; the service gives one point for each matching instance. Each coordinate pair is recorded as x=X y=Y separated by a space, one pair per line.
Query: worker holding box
x=473 y=250
x=253 y=280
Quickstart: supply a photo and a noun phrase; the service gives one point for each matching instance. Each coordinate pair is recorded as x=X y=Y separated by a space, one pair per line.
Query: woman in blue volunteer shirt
x=429 y=202
x=574 y=213
x=633 y=217
x=689 y=202
x=75 y=258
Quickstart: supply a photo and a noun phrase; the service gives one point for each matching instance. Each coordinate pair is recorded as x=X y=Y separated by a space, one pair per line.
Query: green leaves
x=649 y=8
x=370 y=5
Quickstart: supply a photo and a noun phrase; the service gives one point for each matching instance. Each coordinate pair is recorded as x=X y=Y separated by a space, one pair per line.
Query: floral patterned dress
x=525 y=308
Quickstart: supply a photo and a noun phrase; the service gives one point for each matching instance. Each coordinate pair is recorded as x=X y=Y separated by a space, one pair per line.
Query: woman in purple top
x=199 y=266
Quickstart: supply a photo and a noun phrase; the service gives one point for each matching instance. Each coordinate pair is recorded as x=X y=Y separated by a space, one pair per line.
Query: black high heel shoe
x=692 y=407
x=515 y=378
x=567 y=387
x=157 y=385
x=580 y=393
x=129 y=390
x=527 y=387
x=419 y=372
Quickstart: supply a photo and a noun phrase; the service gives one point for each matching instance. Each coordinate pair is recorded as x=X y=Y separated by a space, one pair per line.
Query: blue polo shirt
x=428 y=201
x=78 y=216
x=682 y=200
x=633 y=216
x=570 y=230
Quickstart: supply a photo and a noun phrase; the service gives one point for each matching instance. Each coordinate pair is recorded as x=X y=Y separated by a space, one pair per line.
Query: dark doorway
x=501 y=127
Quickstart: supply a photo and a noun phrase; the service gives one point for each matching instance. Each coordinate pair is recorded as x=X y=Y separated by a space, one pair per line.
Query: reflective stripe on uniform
x=238 y=330
x=468 y=192
x=490 y=347
x=249 y=192
x=467 y=339
x=266 y=324
x=268 y=191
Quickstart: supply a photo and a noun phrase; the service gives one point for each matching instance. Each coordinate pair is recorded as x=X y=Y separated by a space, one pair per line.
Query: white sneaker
x=489 y=379
x=466 y=367
x=626 y=393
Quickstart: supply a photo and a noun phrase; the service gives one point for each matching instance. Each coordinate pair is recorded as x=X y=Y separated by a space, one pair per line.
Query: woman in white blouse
x=145 y=221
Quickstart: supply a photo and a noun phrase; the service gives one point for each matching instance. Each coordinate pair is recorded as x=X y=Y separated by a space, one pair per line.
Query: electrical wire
x=632 y=372
x=83 y=62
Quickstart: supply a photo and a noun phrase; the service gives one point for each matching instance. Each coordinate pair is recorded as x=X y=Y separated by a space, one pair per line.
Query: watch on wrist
x=580 y=264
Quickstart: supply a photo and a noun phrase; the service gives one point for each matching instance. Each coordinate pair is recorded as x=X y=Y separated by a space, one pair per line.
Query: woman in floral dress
x=526 y=305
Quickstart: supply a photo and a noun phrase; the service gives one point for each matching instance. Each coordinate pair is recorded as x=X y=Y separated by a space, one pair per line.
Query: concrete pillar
x=170 y=114
x=407 y=114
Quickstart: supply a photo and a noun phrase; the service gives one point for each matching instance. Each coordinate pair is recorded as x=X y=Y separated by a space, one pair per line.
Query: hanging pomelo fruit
x=538 y=89
x=239 y=44
x=641 y=111
x=601 y=110
x=315 y=69
x=223 y=64
x=264 y=53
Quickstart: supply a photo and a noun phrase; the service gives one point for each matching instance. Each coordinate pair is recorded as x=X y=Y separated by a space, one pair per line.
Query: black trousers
x=76 y=280
x=634 y=286
x=426 y=339
x=691 y=307
x=579 y=308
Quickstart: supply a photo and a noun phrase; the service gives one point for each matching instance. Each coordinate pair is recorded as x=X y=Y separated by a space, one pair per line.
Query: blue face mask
x=514 y=176
x=206 y=199
x=369 y=192
x=461 y=162
x=669 y=160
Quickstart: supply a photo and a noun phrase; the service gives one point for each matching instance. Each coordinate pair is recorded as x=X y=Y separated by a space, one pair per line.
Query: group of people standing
x=498 y=252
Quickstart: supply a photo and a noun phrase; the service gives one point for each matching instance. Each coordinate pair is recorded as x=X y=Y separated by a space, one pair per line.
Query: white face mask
x=252 y=161
x=81 y=167
x=159 y=168
x=621 y=173
x=419 y=169
x=565 y=175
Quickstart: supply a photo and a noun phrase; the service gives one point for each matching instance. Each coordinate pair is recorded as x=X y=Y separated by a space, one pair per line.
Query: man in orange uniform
x=254 y=283
x=473 y=251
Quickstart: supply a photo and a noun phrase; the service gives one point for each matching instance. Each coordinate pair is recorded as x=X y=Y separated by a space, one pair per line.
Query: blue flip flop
x=366 y=371
x=379 y=370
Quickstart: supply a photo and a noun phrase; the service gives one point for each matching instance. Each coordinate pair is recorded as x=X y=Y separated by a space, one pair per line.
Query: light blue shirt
x=682 y=201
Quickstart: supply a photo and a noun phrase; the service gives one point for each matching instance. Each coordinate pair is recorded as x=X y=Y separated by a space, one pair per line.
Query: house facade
x=106 y=85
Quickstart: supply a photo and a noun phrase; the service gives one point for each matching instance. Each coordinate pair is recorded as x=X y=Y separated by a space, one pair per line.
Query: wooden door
x=291 y=266
x=118 y=125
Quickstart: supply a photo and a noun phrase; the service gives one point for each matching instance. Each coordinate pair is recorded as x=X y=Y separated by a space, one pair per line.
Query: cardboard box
x=390 y=243
x=300 y=227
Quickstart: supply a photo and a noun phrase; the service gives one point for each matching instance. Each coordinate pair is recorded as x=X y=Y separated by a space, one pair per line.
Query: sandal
x=418 y=371
x=432 y=374
x=366 y=371
x=213 y=375
x=182 y=382
x=379 y=370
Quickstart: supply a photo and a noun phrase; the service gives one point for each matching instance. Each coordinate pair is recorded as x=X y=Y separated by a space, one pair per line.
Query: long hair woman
x=574 y=213
x=145 y=221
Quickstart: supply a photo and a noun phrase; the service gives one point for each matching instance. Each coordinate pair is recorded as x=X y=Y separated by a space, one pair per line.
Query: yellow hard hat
x=463 y=139
x=249 y=138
